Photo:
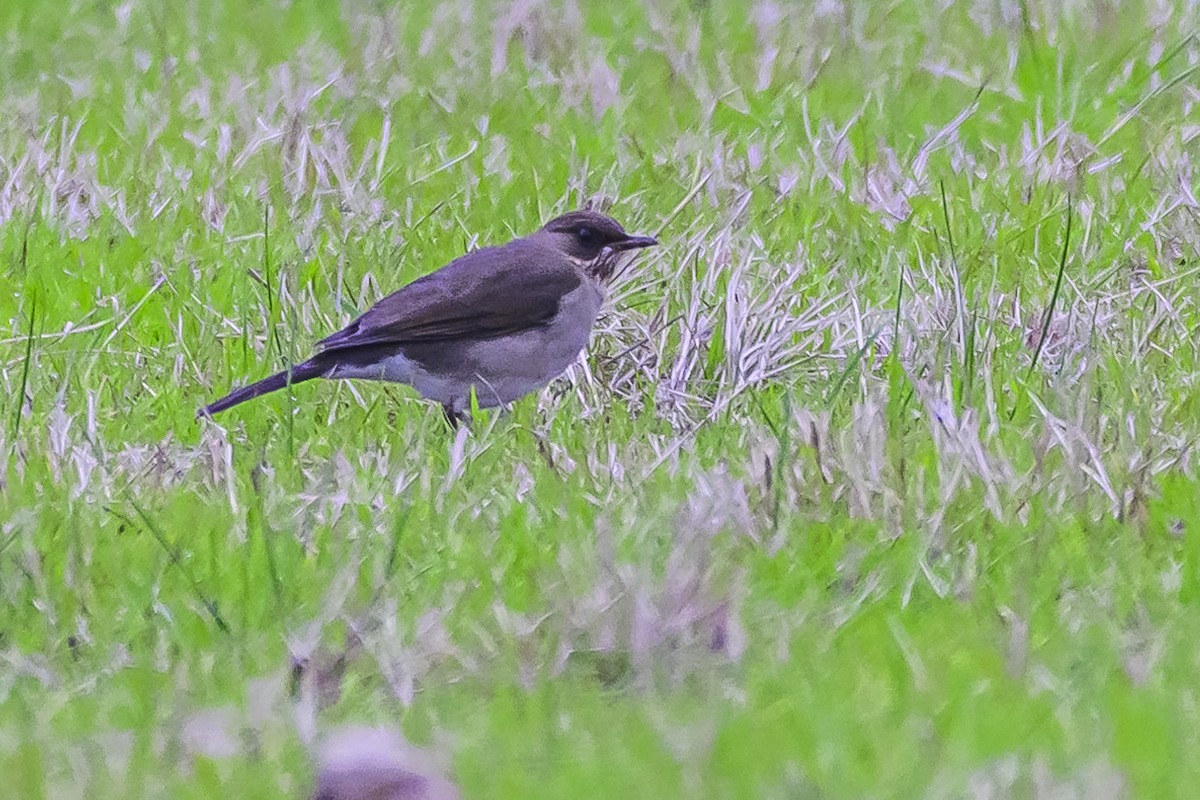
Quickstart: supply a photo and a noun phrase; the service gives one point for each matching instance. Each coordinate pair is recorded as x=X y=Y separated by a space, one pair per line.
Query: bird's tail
x=297 y=374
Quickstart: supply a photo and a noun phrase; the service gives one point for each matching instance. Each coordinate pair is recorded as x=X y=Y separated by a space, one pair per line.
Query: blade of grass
x=25 y=363
x=853 y=361
x=1058 y=282
x=149 y=524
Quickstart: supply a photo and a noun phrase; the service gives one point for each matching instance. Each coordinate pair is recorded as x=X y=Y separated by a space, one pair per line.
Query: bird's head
x=592 y=240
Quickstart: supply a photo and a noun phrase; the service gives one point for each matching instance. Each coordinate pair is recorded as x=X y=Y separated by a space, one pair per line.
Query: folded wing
x=486 y=294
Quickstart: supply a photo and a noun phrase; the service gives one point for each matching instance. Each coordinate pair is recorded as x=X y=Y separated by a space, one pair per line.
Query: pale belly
x=500 y=370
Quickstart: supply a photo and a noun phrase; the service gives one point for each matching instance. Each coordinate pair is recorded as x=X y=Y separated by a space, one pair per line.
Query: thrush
x=500 y=322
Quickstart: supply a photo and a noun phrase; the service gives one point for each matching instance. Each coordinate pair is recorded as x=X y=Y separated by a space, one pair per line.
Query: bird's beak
x=634 y=243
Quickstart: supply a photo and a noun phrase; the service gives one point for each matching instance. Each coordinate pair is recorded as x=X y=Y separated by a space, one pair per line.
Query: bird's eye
x=585 y=235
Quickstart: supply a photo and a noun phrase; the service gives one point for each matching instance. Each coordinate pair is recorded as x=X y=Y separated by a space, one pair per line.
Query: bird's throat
x=601 y=269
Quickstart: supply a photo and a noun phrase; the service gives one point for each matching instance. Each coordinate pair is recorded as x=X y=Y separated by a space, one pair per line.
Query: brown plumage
x=501 y=321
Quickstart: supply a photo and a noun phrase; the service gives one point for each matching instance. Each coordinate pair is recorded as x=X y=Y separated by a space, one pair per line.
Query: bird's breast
x=512 y=366
x=576 y=315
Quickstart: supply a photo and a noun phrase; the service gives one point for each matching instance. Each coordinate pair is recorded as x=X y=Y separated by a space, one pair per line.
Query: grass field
x=879 y=479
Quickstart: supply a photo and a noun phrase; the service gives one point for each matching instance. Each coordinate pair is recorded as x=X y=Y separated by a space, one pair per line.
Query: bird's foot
x=455 y=418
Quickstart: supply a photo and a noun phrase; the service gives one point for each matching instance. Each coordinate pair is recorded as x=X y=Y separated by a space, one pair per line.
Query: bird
x=497 y=323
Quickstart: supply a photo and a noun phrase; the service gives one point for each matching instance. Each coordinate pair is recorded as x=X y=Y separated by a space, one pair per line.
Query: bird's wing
x=483 y=295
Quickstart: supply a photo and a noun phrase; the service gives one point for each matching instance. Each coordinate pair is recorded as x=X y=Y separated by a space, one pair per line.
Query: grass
x=878 y=479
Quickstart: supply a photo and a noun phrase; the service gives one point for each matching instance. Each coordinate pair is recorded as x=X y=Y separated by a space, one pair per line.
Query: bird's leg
x=455 y=417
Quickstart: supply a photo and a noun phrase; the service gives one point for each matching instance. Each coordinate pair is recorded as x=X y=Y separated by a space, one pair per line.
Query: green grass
x=876 y=482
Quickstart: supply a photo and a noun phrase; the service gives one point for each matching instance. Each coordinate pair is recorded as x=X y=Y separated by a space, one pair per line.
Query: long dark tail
x=298 y=374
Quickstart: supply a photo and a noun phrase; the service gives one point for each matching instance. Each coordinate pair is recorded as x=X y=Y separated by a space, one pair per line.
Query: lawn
x=878 y=479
